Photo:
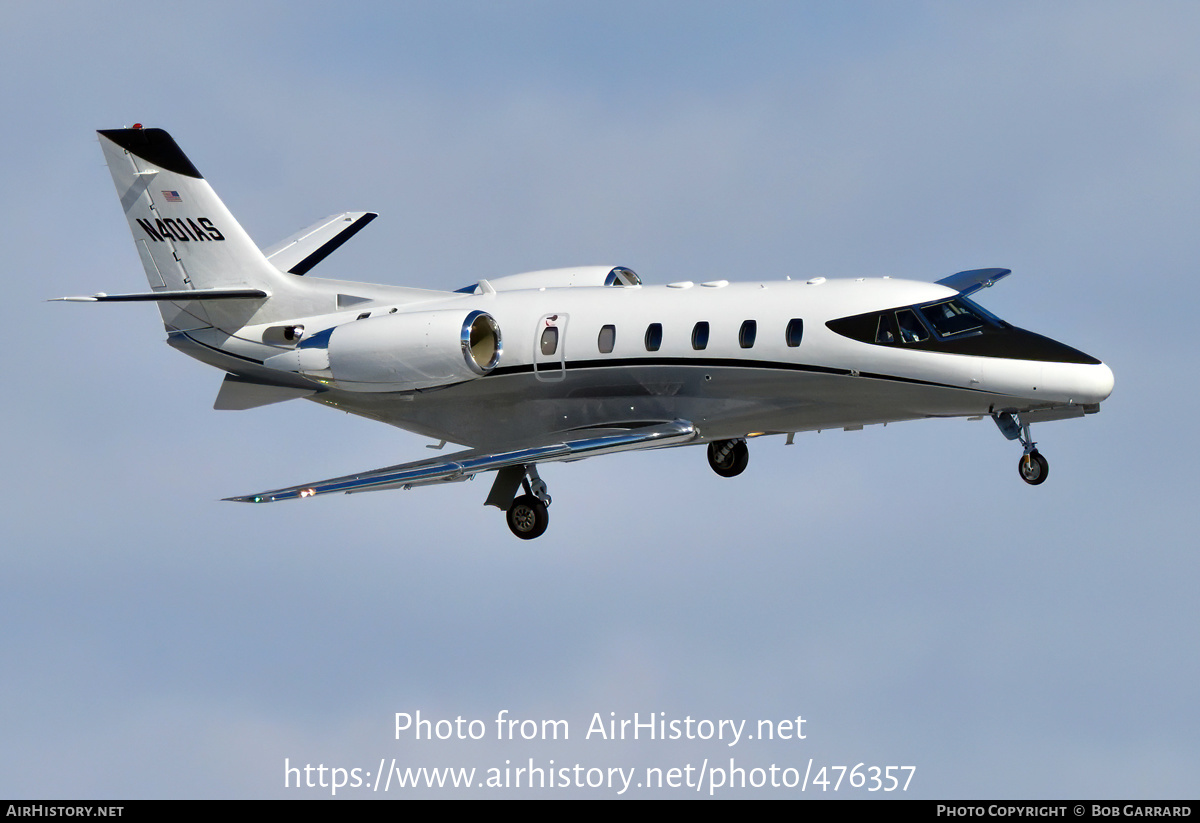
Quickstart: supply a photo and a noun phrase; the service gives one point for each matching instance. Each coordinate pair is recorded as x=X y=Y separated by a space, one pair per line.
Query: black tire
x=528 y=517
x=735 y=460
x=1035 y=470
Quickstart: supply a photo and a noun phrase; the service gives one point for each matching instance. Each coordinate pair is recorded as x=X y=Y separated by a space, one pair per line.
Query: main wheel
x=528 y=517
x=1034 y=468
x=728 y=458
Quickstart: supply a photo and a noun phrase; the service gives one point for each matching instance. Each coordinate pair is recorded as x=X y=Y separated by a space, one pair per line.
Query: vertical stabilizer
x=185 y=236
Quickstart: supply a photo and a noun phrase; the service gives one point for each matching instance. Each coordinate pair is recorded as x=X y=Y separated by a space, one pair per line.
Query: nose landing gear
x=1034 y=468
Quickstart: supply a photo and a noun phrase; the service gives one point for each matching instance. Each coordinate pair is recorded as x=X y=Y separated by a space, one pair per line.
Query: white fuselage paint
x=725 y=390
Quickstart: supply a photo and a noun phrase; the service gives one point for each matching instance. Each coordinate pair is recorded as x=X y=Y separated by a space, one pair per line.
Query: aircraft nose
x=1101 y=382
x=1090 y=383
x=1076 y=383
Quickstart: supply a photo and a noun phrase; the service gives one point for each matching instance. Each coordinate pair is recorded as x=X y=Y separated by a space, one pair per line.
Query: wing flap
x=466 y=464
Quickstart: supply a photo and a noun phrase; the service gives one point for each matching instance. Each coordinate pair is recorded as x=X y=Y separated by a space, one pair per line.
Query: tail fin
x=185 y=236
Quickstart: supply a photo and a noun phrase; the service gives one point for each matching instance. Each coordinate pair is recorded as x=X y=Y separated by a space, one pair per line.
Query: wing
x=466 y=464
x=966 y=282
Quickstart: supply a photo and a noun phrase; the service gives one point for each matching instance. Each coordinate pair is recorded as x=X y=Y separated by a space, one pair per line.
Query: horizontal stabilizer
x=465 y=464
x=238 y=394
x=966 y=282
x=172 y=296
x=305 y=249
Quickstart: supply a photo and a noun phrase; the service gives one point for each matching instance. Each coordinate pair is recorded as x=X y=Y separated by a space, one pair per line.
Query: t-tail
x=190 y=245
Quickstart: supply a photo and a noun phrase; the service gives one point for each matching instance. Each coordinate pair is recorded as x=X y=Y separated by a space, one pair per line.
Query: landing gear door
x=549 y=348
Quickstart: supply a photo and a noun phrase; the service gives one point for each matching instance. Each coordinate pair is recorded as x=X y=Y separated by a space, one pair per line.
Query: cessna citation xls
x=564 y=364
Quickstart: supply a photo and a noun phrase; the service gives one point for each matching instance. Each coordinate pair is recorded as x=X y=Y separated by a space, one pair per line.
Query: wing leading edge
x=466 y=464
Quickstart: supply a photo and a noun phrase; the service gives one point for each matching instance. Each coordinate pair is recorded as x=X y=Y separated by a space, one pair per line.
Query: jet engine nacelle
x=398 y=352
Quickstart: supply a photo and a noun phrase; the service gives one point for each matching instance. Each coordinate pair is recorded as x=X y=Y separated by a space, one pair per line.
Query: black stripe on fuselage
x=636 y=362
x=714 y=362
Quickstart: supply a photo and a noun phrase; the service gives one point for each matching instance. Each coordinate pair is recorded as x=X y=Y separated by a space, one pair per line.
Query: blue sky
x=900 y=588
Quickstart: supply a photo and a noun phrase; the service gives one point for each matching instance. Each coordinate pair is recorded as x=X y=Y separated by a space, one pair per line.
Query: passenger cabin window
x=549 y=341
x=795 y=332
x=607 y=339
x=654 y=337
x=700 y=336
x=747 y=334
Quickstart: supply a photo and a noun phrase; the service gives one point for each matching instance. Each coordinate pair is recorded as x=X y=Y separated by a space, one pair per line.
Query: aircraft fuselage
x=605 y=368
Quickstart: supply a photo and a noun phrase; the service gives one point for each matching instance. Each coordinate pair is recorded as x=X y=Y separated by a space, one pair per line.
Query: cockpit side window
x=911 y=329
x=884 y=332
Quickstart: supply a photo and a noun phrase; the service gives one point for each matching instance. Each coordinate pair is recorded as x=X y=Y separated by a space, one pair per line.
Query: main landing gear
x=1033 y=468
x=524 y=497
x=528 y=517
x=728 y=458
x=527 y=514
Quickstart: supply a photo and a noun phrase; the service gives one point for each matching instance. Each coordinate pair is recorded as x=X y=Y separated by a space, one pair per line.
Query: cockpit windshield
x=952 y=317
x=921 y=326
x=952 y=325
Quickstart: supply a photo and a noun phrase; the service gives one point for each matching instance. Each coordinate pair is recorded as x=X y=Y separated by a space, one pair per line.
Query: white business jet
x=564 y=364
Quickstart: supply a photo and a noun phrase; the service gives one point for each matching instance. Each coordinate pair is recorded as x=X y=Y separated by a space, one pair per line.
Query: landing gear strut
x=528 y=516
x=1033 y=468
x=728 y=458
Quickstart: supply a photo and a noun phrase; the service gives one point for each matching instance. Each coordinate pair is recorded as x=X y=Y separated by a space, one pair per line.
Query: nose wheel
x=1034 y=468
x=728 y=458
